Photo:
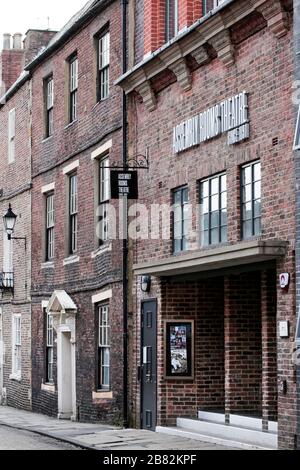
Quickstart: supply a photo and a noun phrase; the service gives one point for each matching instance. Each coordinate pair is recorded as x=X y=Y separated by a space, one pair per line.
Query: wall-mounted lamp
x=146 y=284
x=9 y=221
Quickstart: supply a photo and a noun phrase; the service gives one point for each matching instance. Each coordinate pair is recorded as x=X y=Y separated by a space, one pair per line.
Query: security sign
x=124 y=184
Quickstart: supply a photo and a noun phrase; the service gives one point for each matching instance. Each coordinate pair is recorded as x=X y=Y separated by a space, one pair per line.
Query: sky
x=17 y=16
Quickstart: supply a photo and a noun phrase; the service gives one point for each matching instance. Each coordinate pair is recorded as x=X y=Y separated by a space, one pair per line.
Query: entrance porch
x=234 y=387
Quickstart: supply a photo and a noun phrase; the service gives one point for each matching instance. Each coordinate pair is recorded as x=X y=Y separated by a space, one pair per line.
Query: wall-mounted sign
x=232 y=116
x=124 y=184
x=179 y=344
x=284 y=280
x=284 y=329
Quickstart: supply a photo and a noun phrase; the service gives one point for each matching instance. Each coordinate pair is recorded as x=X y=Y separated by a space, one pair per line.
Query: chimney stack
x=17 y=41
x=6 y=41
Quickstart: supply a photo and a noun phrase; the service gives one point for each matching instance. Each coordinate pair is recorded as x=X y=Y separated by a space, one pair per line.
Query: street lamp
x=9 y=220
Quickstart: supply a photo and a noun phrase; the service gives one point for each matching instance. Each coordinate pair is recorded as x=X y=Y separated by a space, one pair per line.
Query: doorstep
x=212 y=430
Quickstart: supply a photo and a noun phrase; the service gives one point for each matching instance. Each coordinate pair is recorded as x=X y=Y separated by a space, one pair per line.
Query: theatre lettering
x=230 y=116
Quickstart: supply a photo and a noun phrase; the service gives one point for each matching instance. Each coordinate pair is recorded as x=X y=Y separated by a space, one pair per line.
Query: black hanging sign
x=124 y=183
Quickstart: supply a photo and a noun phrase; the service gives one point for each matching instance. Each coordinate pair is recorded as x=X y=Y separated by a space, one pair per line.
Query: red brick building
x=15 y=190
x=77 y=335
x=213 y=329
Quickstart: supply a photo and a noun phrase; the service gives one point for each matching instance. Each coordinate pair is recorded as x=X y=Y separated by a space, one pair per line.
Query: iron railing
x=6 y=281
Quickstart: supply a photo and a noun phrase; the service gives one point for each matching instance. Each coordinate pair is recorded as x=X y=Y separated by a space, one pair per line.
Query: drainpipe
x=297 y=164
x=125 y=241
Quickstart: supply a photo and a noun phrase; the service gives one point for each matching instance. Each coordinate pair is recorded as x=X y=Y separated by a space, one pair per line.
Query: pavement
x=96 y=436
x=13 y=439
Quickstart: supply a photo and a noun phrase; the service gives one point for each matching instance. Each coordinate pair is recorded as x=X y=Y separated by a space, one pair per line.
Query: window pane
x=257 y=190
x=247 y=175
x=215 y=219
x=215 y=186
x=223 y=183
x=224 y=217
x=205 y=206
x=205 y=238
x=257 y=172
x=257 y=226
x=247 y=229
x=247 y=193
x=205 y=189
x=223 y=200
x=215 y=203
x=257 y=208
x=206 y=222
x=215 y=236
x=223 y=234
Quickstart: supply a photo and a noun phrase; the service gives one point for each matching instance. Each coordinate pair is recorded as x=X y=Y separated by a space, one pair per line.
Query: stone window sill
x=98 y=396
x=101 y=250
x=15 y=377
x=48 y=265
x=48 y=388
x=71 y=260
x=71 y=124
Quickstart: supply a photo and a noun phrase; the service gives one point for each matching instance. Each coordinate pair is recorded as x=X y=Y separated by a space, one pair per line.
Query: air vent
x=1 y=192
x=160 y=185
x=275 y=141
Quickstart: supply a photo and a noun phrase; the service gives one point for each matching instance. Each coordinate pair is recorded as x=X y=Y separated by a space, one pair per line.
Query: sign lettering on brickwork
x=232 y=116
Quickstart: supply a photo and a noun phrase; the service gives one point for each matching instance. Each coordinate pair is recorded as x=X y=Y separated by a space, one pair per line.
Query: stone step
x=230 y=432
x=218 y=441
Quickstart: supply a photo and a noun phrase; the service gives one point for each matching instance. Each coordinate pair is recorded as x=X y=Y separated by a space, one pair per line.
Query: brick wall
x=155 y=20
x=243 y=356
x=15 y=179
x=263 y=67
x=297 y=177
x=95 y=271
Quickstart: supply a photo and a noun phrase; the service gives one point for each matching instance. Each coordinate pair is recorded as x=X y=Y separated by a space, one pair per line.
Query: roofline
x=100 y=5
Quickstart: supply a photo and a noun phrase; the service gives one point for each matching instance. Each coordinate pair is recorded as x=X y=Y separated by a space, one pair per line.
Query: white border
x=101 y=150
x=48 y=188
x=68 y=169
x=96 y=299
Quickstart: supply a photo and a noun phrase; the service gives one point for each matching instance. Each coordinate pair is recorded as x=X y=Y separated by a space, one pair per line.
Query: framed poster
x=179 y=346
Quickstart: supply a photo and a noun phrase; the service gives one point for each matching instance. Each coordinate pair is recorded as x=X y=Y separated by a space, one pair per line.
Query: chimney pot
x=17 y=41
x=6 y=41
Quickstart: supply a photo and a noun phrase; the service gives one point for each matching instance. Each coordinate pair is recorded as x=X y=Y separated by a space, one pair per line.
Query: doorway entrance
x=149 y=365
x=65 y=374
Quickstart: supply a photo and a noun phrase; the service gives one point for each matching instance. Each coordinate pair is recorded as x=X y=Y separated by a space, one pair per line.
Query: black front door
x=149 y=365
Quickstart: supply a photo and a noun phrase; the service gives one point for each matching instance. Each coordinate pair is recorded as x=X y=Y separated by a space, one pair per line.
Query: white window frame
x=104 y=198
x=12 y=135
x=73 y=213
x=296 y=145
x=50 y=226
x=16 y=347
x=73 y=88
x=49 y=106
x=103 y=65
x=104 y=331
x=49 y=348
